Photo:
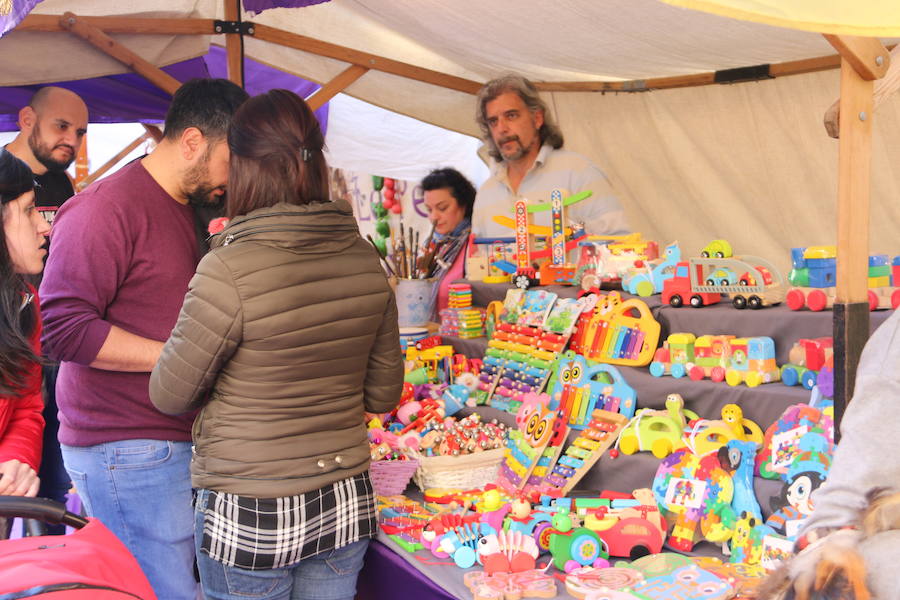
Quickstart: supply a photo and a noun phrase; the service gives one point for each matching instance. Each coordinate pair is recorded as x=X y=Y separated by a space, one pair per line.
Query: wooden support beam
x=291 y=40
x=854 y=179
x=851 y=331
x=335 y=86
x=113 y=161
x=851 y=315
x=187 y=26
x=364 y=59
x=884 y=88
x=154 y=131
x=107 y=45
x=234 y=45
x=867 y=56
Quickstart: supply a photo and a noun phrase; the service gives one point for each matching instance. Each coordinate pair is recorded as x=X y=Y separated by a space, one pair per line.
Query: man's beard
x=516 y=154
x=44 y=155
x=197 y=189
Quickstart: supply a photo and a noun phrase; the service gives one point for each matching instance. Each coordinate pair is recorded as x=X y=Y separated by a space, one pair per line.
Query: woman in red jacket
x=21 y=238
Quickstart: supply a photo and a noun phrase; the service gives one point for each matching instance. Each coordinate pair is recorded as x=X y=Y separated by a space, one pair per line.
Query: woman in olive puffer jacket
x=287 y=335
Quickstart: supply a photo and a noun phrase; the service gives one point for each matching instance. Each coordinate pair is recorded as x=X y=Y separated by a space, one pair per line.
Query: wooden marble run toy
x=483 y=256
x=584 y=452
x=579 y=386
x=805 y=360
x=557 y=270
x=814 y=274
x=750 y=281
x=617 y=332
x=659 y=431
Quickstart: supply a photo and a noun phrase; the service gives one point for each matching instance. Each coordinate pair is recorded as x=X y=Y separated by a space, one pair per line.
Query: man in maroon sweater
x=124 y=251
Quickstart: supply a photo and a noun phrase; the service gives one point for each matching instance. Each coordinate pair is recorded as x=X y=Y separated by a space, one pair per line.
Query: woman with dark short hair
x=21 y=253
x=288 y=334
x=449 y=200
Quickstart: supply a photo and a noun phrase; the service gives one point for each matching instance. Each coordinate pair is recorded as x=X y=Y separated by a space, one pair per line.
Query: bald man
x=51 y=129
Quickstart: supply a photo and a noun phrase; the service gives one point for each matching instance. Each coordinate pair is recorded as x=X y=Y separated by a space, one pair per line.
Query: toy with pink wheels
x=573 y=547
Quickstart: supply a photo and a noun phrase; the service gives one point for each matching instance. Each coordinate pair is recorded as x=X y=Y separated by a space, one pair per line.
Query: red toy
x=677 y=289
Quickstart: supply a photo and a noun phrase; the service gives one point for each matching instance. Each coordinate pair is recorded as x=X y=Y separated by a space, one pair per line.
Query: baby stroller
x=88 y=564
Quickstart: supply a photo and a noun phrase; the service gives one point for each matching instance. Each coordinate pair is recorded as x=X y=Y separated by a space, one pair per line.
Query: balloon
x=397 y=209
x=387 y=203
x=387 y=194
x=389 y=184
x=377 y=182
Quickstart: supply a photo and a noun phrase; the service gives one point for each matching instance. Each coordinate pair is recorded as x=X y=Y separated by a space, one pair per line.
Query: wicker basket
x=390 y=477
x=464 y=472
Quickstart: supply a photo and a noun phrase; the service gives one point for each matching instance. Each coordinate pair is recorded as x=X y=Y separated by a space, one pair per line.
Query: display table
x=763 y=404
x=782 y=324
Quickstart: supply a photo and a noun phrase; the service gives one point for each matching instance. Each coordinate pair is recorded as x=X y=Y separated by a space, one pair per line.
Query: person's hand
x=18 y=479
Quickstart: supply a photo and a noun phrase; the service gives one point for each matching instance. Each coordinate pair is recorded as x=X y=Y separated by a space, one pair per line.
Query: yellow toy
x=659 y=431
x=709 y=436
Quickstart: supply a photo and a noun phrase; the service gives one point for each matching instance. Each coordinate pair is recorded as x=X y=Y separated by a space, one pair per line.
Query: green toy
x=573 y=547
x=659 y=431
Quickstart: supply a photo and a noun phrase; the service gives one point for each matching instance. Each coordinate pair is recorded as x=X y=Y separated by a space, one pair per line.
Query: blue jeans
x=327 y=576
x=141 y=490
x=55 y=482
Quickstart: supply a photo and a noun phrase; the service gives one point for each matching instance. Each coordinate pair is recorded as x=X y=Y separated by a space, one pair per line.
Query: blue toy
x=579 y=386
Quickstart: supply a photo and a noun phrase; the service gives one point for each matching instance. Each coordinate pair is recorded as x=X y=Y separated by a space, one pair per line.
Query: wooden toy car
x=659 y=431
x=807 y=357
x=717 y=249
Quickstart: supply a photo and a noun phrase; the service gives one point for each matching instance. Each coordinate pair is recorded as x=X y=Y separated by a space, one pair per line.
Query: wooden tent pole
x=112 y=162
x=234 y=44
x=106 y=44
x=187 y=26
x=335 y=86
x=862 y=61
x=154 y=131
x=364 y=59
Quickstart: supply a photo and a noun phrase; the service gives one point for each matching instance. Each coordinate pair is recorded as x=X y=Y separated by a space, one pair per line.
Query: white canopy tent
x=749 y=161
x=707 y=127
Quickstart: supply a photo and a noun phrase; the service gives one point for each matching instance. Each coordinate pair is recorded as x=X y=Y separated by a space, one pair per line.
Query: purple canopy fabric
x=257 y=6
x=14 y=14
x=130 y=98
